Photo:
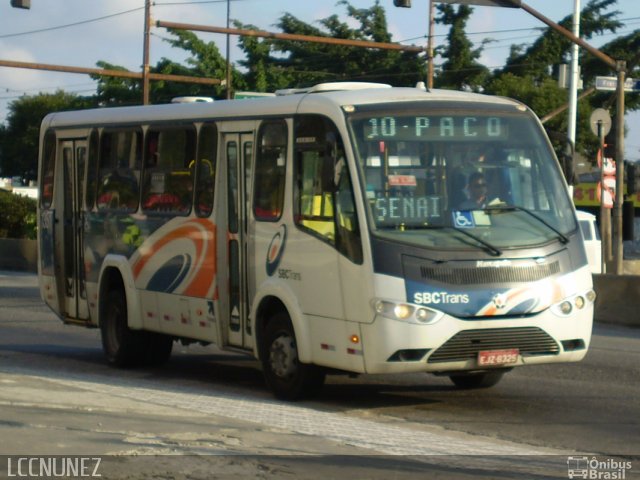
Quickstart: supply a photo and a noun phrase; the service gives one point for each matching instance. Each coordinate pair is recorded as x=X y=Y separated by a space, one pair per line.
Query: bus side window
x=268 y=198
x=348 y=239
x=48 y=169
x=92 y=169
x=119 y=172
x=324 y=202
x=206 y=169
x=168 y=176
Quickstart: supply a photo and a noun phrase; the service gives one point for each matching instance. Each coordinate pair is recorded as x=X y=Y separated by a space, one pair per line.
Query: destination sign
x=409 y=210
x=436 y=128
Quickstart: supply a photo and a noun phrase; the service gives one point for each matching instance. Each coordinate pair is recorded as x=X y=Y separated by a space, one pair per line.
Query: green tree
x=460 y=69
x=205 y=62
x=529 y=74
x=19 y=137
x=291 y=64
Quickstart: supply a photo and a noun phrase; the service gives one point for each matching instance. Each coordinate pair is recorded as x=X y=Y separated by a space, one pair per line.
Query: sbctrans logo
x=595 y=468
x=276 y=250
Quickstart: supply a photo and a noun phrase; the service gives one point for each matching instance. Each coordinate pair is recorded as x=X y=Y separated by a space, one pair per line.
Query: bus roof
x=287 y=102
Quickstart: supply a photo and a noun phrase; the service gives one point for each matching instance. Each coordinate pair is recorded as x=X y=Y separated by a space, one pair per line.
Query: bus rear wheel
x=157 y=349
x=122 y=346
x=477 y=380
x=287 y=377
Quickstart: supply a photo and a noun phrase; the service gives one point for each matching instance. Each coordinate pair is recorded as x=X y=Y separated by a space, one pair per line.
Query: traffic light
x=402 y=3
x=21 y=4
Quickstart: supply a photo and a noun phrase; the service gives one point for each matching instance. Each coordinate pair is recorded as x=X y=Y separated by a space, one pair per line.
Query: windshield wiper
x=493 y=250
x=501 y=208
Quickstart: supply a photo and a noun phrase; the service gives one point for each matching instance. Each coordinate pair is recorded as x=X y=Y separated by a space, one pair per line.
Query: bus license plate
x=498 y=357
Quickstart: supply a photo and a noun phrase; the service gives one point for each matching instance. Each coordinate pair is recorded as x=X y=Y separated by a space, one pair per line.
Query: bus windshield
x=470 y=177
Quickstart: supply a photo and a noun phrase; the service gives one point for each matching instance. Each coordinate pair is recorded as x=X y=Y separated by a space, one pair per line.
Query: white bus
x=321 y=230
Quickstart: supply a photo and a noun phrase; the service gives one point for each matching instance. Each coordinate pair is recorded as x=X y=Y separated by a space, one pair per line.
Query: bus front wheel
x=477 y=380
x=287 y=377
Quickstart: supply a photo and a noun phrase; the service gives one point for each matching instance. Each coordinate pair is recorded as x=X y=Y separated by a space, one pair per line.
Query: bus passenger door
x=237 y=154
x=70 y=252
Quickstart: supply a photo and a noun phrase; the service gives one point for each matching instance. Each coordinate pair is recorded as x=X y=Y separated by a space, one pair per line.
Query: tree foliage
x=19 y=137
x=460 y=70
x=296 y=64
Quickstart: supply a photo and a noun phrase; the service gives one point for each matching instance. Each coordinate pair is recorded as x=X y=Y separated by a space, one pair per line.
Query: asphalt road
x=57 y=397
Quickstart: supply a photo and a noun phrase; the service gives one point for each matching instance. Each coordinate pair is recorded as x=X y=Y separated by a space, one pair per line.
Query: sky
x=81 y=32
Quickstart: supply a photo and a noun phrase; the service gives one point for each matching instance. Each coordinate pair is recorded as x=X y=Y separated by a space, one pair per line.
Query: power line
x=60 y=27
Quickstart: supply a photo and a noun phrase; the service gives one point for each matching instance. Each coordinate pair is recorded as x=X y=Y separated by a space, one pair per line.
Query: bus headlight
x=575 y=302
x=406 y=312
x=402 y=311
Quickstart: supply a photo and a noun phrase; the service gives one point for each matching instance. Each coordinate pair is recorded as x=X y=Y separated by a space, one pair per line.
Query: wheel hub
x=283 y=356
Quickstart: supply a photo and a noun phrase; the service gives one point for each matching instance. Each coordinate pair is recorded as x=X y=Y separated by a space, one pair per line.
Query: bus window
x=168 y=178
x=92 y=169
x=270 y=171
x=48 y=167
x=348 y=239
x=314 y=184
x=119 y=172
x=206 y=169
x=325 y=204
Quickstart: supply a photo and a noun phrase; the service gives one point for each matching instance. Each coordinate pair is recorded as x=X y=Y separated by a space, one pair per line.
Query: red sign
x=402 y=181
x=607 y=193
x=609 y=167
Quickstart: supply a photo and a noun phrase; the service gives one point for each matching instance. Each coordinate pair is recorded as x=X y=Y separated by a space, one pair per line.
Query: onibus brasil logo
x=594 y=468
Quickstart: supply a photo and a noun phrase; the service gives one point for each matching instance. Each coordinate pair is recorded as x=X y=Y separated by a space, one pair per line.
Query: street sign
x=609 y=84
x=607 y=193
x=600 y=118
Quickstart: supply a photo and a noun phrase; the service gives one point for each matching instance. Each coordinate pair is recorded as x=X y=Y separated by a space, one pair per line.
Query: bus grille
x=465 y=345
x=472 y=276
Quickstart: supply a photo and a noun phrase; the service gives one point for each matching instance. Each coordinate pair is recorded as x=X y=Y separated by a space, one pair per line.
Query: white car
x=592 y=242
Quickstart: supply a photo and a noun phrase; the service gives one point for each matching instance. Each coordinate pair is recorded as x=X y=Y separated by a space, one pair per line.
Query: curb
x=19 y=254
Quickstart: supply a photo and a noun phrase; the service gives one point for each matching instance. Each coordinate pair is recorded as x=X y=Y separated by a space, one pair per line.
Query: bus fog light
x=423 y=315
x=579 y=302
x=565 y=307
x=591 y=296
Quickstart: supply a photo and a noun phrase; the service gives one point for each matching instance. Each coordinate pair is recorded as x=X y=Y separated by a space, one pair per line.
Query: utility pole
x=432 y=22
x=228 y=51
x=573 y=83
x=145 y=52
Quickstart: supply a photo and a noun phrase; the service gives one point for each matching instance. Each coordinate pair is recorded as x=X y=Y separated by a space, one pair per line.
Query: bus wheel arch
x=123 y=346
x=120 y=344
x=285 y=373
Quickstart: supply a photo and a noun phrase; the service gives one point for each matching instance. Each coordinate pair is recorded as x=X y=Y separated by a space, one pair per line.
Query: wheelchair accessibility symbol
x=463 y=219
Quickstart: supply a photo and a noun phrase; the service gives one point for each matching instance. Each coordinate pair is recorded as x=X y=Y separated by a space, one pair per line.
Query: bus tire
x=157 y=349
x=477 y=380
x=121 y=345
x=288 y=378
